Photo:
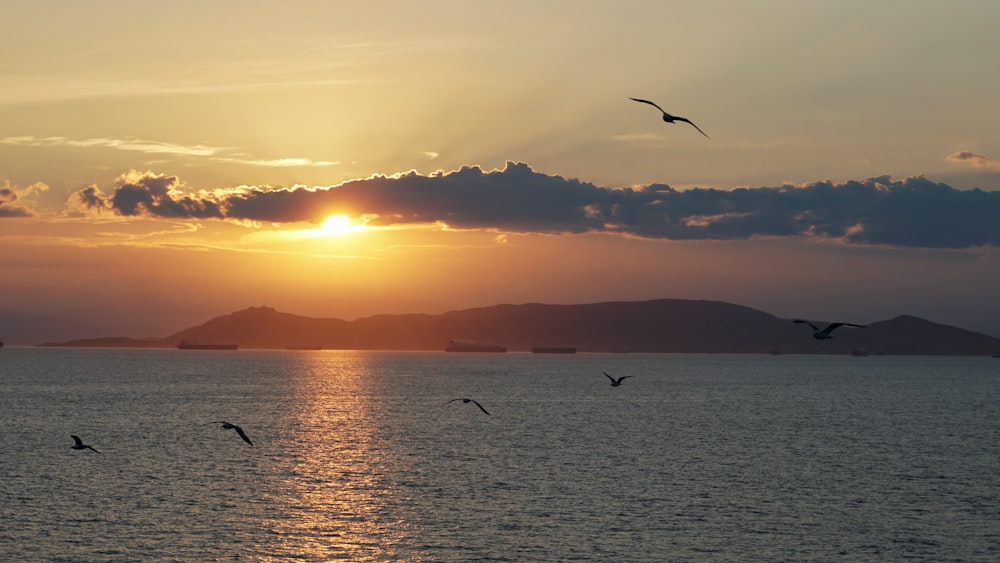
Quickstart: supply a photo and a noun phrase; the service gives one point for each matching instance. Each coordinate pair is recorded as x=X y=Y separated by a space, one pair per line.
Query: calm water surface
x=358 y=458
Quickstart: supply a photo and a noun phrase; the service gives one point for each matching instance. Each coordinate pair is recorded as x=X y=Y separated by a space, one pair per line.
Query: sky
x=165 y=163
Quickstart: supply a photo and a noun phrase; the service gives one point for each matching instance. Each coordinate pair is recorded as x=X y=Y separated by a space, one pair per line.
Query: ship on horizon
x=463 y=346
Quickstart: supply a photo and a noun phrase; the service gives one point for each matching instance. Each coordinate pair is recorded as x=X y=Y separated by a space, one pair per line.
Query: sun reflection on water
x=333 y=501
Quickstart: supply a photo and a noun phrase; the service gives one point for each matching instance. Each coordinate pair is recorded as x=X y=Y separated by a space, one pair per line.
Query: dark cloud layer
x=913 y=212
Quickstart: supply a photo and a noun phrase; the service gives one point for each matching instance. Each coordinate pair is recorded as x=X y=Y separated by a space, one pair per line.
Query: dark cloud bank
x=913 y=212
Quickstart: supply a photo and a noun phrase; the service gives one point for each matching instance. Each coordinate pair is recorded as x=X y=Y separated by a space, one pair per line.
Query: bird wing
x=453 y=400
x=480 y=406
x=814 y=327
x=92 y=449
x=685 y=120
x=832 y=326
x=76 y=439
x=648 y=102
x=242 y=435
x=609 y=376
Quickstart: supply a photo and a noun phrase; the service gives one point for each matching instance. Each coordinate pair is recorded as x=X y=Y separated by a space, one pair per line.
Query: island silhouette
x=649 y=326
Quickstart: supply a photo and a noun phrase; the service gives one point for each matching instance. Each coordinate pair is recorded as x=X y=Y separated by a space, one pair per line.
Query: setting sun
x=338 y=225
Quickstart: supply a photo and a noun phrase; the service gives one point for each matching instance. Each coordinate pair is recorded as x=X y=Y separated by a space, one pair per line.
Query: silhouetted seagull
x=473 y=401
x=79 y=445
x=616 y=382
x=228 y=425
x=671 y=118
x=824 y=334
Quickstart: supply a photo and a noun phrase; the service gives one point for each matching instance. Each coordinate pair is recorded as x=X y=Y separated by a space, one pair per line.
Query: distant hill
x=661 y=325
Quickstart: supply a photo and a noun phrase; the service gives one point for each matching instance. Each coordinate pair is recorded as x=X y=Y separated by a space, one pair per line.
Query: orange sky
x=163 y=164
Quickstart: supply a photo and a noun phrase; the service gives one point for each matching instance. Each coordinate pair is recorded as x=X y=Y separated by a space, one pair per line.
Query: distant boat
x=462 y=346
x=859 y=353
x=185 y=345
x=303 y=347
x=553 y=350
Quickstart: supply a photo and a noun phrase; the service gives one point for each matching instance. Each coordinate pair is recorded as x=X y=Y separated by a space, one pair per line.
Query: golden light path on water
x=332 y=498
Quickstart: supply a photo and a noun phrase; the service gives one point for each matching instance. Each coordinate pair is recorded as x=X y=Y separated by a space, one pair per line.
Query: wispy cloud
x=973 y=159
x=258 y=62
x=136 y=145
x=913 y=212
x=219 y=154
x=279 y=162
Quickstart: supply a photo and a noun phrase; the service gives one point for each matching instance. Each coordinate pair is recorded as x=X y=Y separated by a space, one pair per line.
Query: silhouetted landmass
x=662 y=325
x=111 y=342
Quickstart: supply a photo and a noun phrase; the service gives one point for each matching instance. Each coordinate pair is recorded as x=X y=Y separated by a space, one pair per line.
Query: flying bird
x=473 y=401
x=79 y=445
x=228 y=425
x=616 y=382
x=671 y=118
x=824 y=334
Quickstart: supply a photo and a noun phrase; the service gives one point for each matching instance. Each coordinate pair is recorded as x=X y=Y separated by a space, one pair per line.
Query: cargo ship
x=460 y=346
x=185 y=345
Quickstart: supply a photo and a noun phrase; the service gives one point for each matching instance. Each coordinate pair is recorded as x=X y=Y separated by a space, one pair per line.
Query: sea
x=363 y=456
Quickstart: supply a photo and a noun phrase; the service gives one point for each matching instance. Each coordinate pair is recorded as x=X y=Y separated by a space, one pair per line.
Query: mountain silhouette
x=661 y=325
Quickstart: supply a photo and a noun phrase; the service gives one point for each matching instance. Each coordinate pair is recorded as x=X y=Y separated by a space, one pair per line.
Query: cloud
x=7 y=207
x=218 y=154
x=10 y=194
x=148 y=194
x=135 y=145
x=971 y=158
x=279 y=162
x=913 y=212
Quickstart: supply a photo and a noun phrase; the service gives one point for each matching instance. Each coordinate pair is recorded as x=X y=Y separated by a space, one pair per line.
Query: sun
x=335 y=225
